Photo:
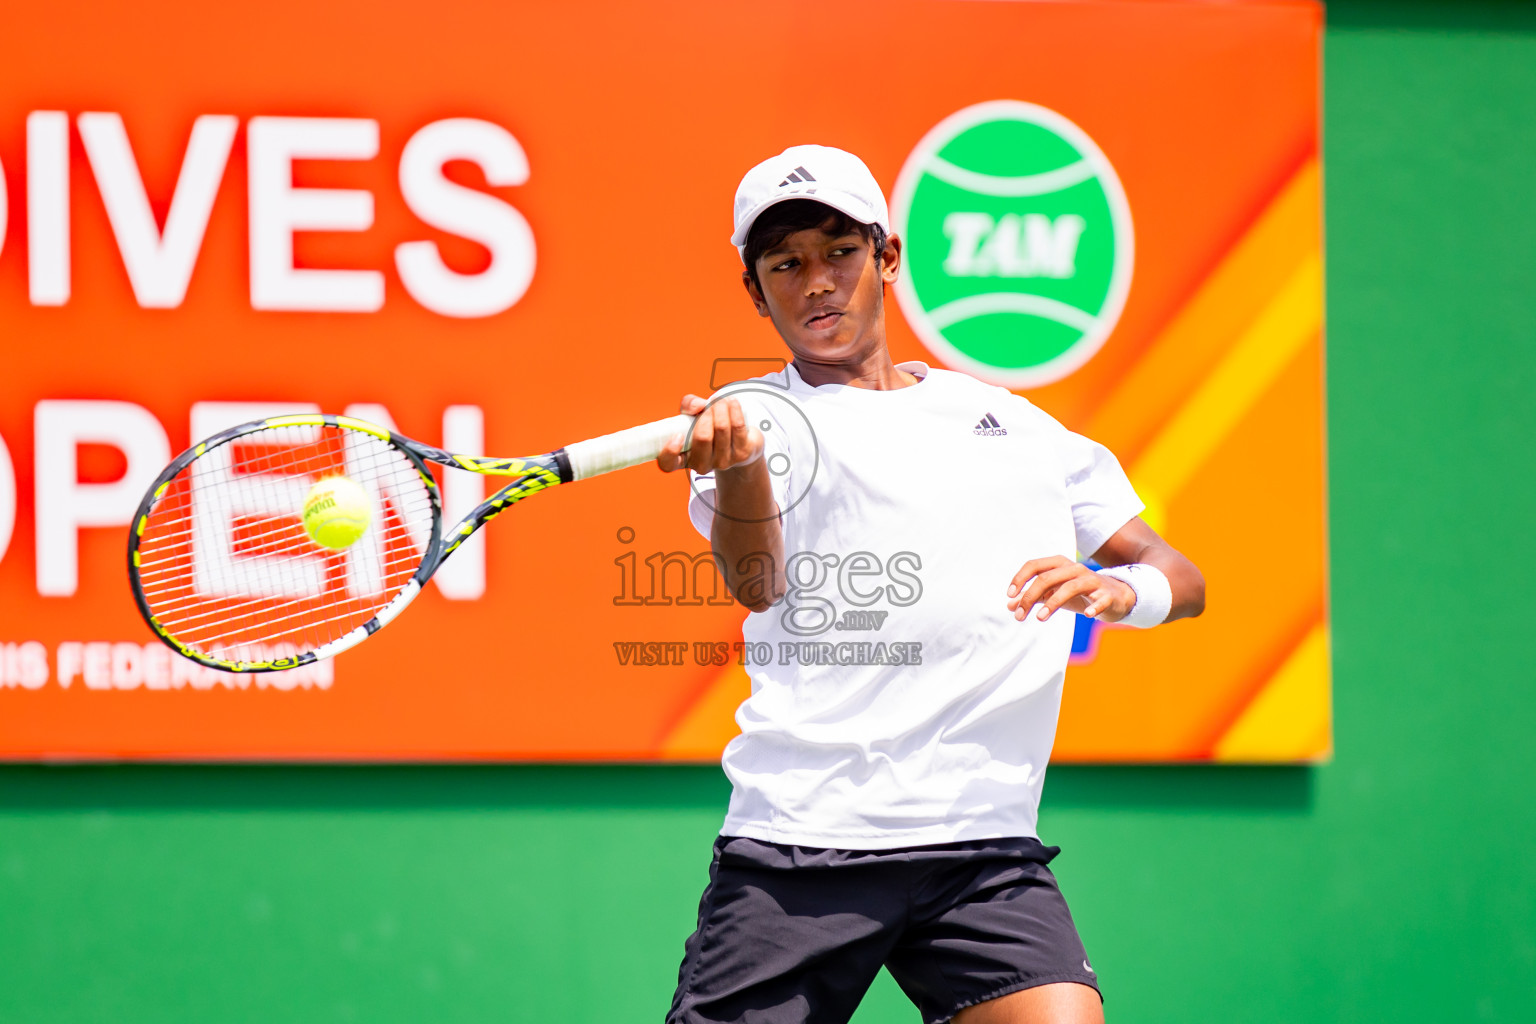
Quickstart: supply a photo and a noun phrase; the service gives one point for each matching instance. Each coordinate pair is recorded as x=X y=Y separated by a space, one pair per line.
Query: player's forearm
x=747 y=539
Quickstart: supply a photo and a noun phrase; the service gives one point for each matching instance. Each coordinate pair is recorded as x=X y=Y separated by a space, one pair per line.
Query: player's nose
x=819 y=279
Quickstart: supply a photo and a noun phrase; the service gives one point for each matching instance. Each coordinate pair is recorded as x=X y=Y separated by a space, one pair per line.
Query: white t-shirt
x=895 y=699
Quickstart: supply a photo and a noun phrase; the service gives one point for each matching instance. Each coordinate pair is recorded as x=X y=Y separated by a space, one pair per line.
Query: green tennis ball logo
x=336 y=512
x=1018 y=243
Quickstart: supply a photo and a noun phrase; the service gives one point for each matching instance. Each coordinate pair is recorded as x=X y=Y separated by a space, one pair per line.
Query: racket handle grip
x=626 y=447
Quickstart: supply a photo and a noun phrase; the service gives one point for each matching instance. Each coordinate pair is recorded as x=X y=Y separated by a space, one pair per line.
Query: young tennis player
x=910 y=574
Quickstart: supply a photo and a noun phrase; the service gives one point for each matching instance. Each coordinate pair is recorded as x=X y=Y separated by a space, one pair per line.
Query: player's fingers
x=738 y=434
x=671 y=457
x=1095 y=601
x=701 y=451
x=1041 y=586
x=692 y=405
x=1032 y=568
x=724 y=442
x=746 y=439
x=1072 y=595
x=1103 y=598
x=730 y=426
x=1100 y=598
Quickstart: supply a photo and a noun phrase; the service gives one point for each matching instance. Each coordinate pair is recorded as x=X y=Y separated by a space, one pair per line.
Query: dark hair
x=781 y=220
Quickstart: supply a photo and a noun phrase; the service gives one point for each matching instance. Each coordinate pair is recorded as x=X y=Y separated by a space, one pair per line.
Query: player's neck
x=876 y=373
x=871 y=369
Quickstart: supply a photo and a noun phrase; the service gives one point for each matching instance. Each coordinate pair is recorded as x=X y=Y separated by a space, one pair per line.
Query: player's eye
x=785 y=265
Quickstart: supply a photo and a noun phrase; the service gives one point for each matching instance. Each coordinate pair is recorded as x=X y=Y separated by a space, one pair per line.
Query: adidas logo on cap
x=796 y=176
x=989 y=427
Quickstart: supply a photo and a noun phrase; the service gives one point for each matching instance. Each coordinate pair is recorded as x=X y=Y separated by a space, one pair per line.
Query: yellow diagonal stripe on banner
x=1289 y=717
x=1286 y=324
x=1226 y=302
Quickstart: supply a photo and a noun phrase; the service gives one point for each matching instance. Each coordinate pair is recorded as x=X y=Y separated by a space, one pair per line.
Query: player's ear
x=890 y=260
x=754 y=293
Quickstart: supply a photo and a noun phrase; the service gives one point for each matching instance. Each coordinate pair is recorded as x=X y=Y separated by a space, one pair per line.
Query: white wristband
x=1154 y=597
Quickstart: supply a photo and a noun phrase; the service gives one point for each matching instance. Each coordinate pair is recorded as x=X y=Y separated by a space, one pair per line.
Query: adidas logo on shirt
x=989 y=427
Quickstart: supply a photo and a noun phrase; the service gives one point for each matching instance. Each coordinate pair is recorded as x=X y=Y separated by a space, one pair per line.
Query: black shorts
x=797 y=934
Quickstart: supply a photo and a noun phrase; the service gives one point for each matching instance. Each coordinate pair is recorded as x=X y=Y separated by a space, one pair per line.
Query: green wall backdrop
x=1397 y=883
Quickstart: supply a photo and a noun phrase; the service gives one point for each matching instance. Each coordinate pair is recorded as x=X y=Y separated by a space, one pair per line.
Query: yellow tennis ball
x=336 y=512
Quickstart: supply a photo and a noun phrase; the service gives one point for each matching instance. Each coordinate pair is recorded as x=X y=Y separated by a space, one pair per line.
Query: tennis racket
x=224 y=572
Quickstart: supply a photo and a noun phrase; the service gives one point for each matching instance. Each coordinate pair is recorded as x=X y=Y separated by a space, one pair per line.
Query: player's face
x=825 y=293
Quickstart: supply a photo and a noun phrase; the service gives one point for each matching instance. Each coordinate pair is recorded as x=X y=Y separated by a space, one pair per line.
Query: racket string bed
x=225 y=565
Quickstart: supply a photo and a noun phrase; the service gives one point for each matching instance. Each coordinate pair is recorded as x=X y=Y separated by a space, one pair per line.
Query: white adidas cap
x=831 y=176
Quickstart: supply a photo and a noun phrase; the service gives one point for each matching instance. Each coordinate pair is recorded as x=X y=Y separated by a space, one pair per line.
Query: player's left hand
x=1057 y=582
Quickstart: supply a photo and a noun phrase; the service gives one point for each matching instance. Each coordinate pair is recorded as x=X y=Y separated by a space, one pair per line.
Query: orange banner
x=501 y=230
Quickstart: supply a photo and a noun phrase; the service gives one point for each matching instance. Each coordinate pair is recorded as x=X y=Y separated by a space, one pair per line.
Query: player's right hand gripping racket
x=224 y=572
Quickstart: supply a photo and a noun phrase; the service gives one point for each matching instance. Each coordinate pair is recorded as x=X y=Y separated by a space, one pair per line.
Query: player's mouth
x=824 y=317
